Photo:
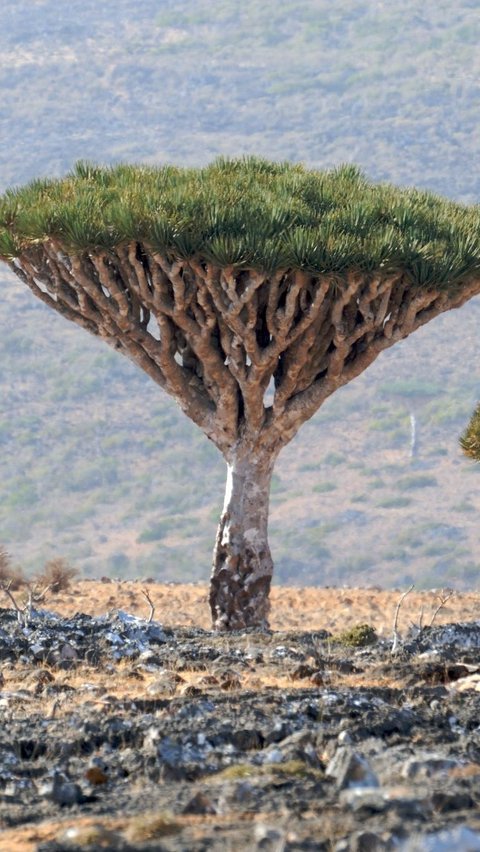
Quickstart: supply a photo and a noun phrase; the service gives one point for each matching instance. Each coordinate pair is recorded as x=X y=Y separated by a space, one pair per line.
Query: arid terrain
x=122 y=733
x=334 y=609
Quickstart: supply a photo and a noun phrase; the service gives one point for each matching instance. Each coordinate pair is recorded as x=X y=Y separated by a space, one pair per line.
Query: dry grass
x=292 y=609
x=306 y=609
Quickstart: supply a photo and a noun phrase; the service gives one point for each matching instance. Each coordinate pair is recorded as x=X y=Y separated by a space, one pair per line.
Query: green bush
x=333 y=459
x=409 y=483
x=394 y=502
x=464 y=506
x=357 y=637
x=156 y=532
x=324 y=487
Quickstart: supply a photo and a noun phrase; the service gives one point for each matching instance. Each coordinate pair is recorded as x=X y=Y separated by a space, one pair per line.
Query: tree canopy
x=250 y=213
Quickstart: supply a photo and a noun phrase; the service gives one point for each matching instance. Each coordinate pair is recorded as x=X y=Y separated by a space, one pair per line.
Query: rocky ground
x=123 y=734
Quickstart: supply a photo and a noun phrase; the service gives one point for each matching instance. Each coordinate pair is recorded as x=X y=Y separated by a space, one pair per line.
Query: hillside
x=392 y=88
x=96 y=463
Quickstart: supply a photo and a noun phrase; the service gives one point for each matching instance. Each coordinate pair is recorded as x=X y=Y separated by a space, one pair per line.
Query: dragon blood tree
x=249 y=291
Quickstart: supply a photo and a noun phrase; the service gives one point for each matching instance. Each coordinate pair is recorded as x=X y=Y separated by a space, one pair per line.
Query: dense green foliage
x=470 y=440
x=253 y=213
x=359 y=636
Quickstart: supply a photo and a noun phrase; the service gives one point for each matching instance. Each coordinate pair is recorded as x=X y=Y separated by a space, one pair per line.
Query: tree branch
x=223 y=333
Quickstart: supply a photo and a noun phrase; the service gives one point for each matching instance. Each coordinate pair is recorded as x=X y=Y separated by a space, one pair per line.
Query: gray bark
x=242 y=563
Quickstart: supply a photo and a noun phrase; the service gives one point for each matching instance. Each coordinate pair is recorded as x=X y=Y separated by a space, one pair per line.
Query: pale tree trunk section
x=242 y=563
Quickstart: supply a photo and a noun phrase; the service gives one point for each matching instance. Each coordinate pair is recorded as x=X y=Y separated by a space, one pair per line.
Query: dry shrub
x=151 y=826
x=57 y=574
x=11 y=576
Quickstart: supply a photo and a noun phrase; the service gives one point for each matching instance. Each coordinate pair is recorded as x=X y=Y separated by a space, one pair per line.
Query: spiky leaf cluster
x=470 y=440
x=250 y=213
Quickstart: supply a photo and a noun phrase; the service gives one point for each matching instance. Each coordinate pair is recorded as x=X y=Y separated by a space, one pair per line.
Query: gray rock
x=268 y=837
x=200 y=804
x=14 y=790
x=301 y=745
x=38 y=650
x=181 y=759
x=366 y=802
x=244 y=792
x=449 y=801
x=350 y=769
x=246 y=739
x=464 y=636
x=62 y=791
x=427 y=766
x=149 y=658
x=365 y=841
x=67 y=793
x=458 y=839
x=165 y=684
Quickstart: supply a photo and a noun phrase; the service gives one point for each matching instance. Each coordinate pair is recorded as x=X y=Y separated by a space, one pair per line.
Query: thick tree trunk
x=242 y=563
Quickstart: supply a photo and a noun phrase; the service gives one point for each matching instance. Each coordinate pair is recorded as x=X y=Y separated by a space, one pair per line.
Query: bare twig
x=6 y=588
x=53 y=711
x=33 y=598
x=151 y=604
x=39 y=596
x=420 y=620
x=24 y=612
x=396 y=636
x=445 y=596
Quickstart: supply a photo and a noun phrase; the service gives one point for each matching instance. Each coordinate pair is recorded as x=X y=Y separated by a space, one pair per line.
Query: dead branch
x=420 y=620
x=444 y=596
x=5 y=587
x=151 y=604
x=24 y=612
x=396 y=635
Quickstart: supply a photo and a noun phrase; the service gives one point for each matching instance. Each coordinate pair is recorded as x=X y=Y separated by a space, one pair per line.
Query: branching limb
x=24 y=612
x=151 y=605
x=444 y=597
x=214 y=337
x=351 y=354
x=5 y=587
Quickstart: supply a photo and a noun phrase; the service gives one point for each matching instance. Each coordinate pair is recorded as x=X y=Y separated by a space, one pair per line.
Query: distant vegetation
x=392 y=87
x=470 y=440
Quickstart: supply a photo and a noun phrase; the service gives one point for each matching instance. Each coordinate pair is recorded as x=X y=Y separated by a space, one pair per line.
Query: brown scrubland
x=311 y=608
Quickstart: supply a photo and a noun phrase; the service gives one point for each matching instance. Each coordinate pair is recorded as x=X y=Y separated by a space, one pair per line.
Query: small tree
x=249 y=291
x=470 y=440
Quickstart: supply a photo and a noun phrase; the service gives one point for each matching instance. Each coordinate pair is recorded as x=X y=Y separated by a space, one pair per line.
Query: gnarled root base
x=242 y=563
x=239 y=590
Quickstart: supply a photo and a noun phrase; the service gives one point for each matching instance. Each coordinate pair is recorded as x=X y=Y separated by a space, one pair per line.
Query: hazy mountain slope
x=95 y=462
x=394 y=88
